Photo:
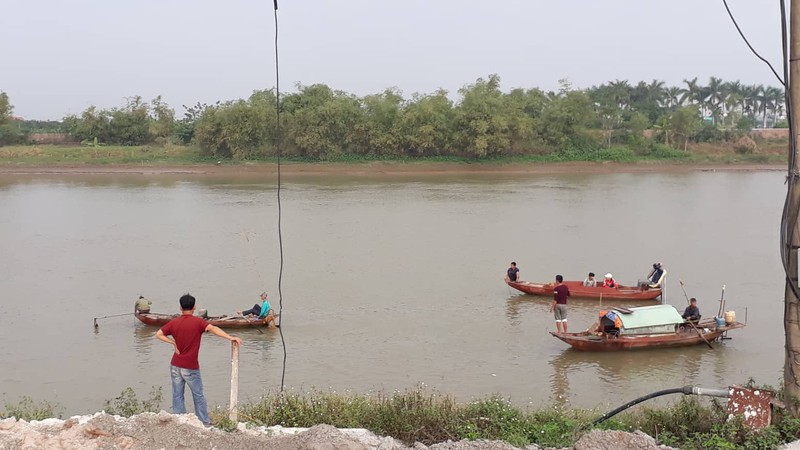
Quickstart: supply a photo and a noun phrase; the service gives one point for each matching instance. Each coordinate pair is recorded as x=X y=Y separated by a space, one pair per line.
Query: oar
x=684 y=291
x=252 y=324
x=108 y=317
x=721 y=301
x=699 y=333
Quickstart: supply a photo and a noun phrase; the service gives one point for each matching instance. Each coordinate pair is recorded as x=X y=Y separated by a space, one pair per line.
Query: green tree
x=489 y=123
x=5 y=108
x=564 y=120
x=91 y=125
x=11 y=131
x=426 y=125
x=130 y=125
x=685 y=122
x=379 y=131
x=162 y=119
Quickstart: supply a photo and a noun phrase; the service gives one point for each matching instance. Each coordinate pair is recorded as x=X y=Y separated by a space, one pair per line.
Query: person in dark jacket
x=692 y=312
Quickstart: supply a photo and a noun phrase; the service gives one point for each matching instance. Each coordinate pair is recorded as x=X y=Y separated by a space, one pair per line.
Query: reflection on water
x=389 y=281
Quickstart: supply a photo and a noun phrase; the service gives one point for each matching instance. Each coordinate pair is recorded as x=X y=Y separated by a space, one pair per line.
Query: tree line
x=320 y=123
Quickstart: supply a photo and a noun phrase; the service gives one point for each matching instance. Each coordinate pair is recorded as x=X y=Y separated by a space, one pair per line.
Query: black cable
x=278 y=150
x=725 y=2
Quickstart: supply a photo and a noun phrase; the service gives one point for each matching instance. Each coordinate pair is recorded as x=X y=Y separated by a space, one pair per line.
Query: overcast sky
x=58 y=57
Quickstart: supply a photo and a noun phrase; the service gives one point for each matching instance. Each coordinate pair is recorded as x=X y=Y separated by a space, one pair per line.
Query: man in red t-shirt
x=559 y=306
x=186 y=332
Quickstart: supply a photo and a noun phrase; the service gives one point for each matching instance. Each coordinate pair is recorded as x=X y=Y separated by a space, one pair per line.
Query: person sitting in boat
x=263 y=311
x=692 y=312
x=590 y=281
x=609 y=281
x=143 y=305
x=609 y=323
x=512 y=274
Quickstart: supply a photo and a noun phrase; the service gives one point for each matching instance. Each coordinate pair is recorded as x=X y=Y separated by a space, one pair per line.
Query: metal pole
x=791 y=370
x=234 y=411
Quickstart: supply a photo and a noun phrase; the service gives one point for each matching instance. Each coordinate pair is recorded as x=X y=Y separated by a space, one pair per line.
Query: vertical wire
x=278 y=150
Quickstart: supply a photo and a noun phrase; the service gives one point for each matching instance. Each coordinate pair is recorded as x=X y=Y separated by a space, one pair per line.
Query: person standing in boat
x=590 y=281
x=263 y=310
x=609 y=281
x=186 y=331
x=692 y=312
x=559 y=306
x=512 y=274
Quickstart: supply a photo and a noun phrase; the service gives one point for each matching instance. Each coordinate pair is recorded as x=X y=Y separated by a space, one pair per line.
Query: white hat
x=608 y=275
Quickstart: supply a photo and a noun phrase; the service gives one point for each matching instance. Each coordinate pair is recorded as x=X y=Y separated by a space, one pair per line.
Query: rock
x=617 y=440
x=7 y=424
x=790 y=446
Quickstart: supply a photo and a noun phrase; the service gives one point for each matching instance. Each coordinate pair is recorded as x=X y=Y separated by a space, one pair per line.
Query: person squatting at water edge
x=512 y=274
x=559 y=306
x=186 y=331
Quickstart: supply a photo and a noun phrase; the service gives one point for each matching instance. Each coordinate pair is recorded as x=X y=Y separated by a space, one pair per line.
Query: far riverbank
x=172 y=159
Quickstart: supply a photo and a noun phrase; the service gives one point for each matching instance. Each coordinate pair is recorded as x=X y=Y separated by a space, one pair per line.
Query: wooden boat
x=577 y=289
x=659 y=326
x=220 y=321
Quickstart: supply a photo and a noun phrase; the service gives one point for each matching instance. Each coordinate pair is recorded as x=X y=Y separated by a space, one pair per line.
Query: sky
x=59 y=57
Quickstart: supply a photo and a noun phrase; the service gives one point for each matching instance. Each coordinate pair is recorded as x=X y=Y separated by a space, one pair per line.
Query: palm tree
x=733 y=99
x=672 y=97
x=716 y=98
x=621 y=93
x=689 y=94
x=775 y=101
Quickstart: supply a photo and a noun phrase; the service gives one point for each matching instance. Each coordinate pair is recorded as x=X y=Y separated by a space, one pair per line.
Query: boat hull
x=156 y=319
x=684 y=337
x=577 y=289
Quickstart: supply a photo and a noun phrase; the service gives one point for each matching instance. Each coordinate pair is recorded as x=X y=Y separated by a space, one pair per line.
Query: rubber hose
x=681 y=390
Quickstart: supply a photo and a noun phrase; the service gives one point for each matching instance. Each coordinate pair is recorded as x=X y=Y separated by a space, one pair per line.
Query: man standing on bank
x=186 y=332
x=559 y=306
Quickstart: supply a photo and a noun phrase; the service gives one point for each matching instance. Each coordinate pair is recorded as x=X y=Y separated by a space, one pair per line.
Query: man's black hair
x=559 y=278
x=591 y=274
x=187 y=302
x=513 y=263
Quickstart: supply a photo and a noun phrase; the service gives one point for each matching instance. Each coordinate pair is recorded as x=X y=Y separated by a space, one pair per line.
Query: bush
x=127 y=404
x=27 y=409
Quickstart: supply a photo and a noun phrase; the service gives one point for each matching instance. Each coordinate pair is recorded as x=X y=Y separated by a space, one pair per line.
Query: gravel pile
x=169 y=431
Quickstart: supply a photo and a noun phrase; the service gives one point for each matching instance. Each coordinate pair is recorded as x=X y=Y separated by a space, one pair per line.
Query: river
x=389 y=281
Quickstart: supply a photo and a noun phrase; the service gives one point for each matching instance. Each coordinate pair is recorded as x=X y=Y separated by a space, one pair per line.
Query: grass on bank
x=421 y=415
x=22 y=155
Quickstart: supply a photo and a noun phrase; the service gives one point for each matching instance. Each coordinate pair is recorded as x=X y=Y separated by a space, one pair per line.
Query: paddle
x=252 y=324
x=721 y=302
x=699 y=333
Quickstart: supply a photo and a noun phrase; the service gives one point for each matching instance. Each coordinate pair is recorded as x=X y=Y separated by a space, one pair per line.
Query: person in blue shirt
x=263 y=310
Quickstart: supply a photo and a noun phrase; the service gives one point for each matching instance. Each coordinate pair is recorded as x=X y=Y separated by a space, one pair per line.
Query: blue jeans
x=180 y=378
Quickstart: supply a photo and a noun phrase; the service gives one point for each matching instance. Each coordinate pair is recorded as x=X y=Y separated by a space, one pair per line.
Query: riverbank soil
x=163 y=430
x=380 y=168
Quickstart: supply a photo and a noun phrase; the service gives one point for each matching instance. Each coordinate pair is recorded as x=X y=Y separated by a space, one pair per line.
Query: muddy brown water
x=389 y=281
